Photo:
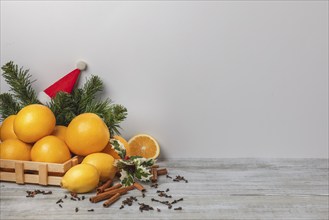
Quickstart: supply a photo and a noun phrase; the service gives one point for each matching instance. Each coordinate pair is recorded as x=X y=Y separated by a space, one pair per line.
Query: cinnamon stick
x=116 y=186
x=139 y=187
x=155 y=166
x=111 y=200
x=107 y=184
x=154 y=174
x=162 y=171
x=108 y=194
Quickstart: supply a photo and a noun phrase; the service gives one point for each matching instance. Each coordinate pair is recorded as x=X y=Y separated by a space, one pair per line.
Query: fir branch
x=88 y=93
x=20 y=83
x=117 y=114
x=8 y=105
x=63 y=107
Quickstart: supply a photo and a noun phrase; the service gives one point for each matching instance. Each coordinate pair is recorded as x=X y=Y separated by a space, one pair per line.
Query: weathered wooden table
x=216 y=189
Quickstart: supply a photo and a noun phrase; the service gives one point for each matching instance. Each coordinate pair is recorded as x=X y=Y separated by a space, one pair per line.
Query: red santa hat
x=65 y=84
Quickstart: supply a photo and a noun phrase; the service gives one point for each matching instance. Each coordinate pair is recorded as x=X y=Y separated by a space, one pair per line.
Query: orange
x=143 y=145
x=14 y=149
x=50 y=149
x=108 y=149
x=104 y=163
x=34 y=122
x=87 y=133
x=7 y=128
x=59 y=131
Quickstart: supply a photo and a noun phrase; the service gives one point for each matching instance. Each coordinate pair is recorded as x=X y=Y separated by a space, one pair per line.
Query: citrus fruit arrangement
x=72 y=124
x=32 y=135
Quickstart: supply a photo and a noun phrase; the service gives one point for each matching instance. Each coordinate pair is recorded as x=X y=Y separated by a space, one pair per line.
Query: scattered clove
x=163 y=194
x=178 y=200
x=35 y=192
x=144 y=207
x=129 y=201
x=180 y=178
x=155 y=185
x=90 y=210
x=59 y=201
x=74 y=194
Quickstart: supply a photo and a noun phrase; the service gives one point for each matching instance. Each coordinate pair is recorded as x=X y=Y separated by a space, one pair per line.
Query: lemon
x=34 y=122
x=7 y=128
x=103 y=162
x=81 y=178
x=50 y=149
x=87 y=133
x=14 y=149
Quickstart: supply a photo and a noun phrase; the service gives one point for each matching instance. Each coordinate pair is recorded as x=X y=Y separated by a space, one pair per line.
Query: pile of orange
x=32 y=134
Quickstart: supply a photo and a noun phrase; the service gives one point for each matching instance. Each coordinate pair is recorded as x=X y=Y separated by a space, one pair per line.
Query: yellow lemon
x=103 y=162
x=50 y=149
x=59 y=131
x=87 y=133
x=108 y=149
x=7 y=128
x=81 y=178
x=34 y=122
x=14 y=149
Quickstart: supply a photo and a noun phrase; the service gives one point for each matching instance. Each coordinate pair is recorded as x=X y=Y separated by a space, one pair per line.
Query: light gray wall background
x=205 y=78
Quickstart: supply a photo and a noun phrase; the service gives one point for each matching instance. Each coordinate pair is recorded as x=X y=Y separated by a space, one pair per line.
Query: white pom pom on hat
x=65 y=84
x=81 y=65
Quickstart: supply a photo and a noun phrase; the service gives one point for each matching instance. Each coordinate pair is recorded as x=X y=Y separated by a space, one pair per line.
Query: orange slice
x=143 y=145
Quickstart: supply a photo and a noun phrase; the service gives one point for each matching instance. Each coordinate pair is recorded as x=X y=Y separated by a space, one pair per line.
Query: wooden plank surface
x=216 y=189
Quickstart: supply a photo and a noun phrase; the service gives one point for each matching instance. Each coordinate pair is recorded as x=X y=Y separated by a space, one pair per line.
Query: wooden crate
x=40 y=173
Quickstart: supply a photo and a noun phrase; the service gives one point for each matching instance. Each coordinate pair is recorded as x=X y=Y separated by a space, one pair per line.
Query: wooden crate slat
x=19 y=172
x=8 y=176
x=45 y=173
x=30 y=178
x=31 y=165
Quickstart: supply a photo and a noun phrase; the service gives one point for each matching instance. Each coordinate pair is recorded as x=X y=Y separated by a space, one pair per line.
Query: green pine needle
x=8 y=105
x=20 y=83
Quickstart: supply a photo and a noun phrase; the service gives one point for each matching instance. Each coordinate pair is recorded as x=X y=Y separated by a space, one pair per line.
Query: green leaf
x=135 y=167
x=118 y=147
x=126 y=178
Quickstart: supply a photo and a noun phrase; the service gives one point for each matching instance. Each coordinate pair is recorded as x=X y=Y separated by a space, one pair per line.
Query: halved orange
x=143 y=145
